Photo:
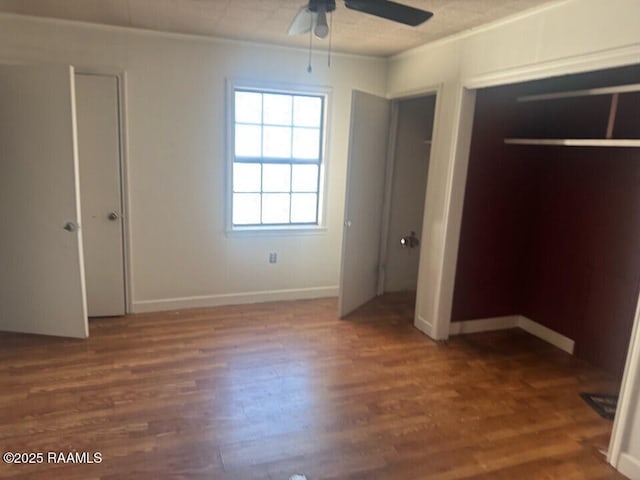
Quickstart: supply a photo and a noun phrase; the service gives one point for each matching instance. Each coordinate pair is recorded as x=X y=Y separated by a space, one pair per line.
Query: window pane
x=246 y=208
x=246 y=177
x=304 y=178
x=306 y=143
x=304 y=208
x=307 y=111
x=276 y=178
x=275 y=208
x=248 y=107
x=248 y=141
x=277 y=142
x=277 y=158
x=277 y=109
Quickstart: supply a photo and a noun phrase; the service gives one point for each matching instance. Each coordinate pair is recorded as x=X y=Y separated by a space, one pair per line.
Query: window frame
x=286 y=89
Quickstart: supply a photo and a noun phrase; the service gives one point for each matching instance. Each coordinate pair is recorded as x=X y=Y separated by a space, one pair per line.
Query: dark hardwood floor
x=265 y=391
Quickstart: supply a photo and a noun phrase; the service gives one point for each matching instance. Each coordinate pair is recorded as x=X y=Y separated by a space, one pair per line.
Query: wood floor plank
x=259 y=392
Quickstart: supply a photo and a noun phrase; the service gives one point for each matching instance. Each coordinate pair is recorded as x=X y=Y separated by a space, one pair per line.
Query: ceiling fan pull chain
x=309 y=69
x=330 y=38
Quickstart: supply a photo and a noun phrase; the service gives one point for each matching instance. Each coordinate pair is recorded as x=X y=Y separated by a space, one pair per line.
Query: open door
x=370 y=117
x=42 y=281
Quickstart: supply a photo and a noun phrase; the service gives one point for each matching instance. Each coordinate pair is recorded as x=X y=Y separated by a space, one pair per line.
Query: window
x=277 y=152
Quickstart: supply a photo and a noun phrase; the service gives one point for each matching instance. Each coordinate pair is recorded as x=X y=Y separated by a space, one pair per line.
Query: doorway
x=549 y=224
x=101 y=193
x=63 y=168
x=389 y=150
x=411 y=137
x=549 y=228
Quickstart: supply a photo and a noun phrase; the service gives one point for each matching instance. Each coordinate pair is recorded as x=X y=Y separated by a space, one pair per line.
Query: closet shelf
x=623 y=97
x=574 y=142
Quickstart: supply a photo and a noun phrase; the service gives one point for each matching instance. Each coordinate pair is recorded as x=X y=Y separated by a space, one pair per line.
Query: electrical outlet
x=273 y=257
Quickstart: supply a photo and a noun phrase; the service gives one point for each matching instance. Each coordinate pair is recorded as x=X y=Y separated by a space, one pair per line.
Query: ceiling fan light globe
x=321 y=29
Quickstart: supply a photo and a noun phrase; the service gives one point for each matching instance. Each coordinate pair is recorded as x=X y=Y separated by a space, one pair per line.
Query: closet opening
x=550 y=227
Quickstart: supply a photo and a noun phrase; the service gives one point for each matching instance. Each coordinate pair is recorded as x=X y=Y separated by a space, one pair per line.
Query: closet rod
x=574 y=142
x=635 y=87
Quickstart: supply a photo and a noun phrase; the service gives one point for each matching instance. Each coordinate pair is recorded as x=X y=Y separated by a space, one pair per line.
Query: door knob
x=113 y=216
x=71 y=226
x=411 y=241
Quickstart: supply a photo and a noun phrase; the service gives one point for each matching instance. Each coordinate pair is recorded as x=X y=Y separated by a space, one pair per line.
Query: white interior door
x=100 y=180
x=370 y=116
x=42 y=281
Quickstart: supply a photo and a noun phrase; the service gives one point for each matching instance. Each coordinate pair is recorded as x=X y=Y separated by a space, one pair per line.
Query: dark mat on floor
x=605 y=405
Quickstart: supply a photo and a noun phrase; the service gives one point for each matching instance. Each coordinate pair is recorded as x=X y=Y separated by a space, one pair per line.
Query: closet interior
x=551 y=219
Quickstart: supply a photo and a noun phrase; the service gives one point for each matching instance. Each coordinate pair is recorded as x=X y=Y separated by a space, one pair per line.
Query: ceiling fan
x=314 y=15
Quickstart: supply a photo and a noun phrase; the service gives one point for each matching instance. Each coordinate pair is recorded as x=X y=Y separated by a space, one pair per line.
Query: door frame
x=125 y=192
x=455 y=180
x=423 y=276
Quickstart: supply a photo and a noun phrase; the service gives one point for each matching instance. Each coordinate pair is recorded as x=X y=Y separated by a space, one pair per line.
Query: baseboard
x=629 y=466
x=423 y=325
x=514 y=321
x=166 y=304
x=484 y=325
x=550 y=336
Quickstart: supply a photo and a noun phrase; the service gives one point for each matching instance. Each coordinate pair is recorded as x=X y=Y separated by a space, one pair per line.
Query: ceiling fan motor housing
x=330 y=5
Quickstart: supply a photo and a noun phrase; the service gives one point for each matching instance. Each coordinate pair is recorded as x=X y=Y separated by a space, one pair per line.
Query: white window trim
x=321 y=227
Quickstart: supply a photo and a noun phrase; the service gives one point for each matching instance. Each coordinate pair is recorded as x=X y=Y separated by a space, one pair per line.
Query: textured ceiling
x=268 y=20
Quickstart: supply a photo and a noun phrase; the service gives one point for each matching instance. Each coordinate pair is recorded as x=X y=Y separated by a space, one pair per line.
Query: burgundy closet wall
x=553 y=233
x=496 y=217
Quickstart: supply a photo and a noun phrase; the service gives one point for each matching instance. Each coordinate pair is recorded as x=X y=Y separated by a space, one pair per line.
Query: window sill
x=283 y=230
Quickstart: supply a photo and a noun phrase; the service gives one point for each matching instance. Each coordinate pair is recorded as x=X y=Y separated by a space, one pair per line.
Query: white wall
x=411 y=166
x=566 y=37
x=176 y=138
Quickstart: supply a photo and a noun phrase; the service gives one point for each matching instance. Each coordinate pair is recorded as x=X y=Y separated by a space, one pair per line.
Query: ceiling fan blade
x=390 y=10
x=302 y=22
